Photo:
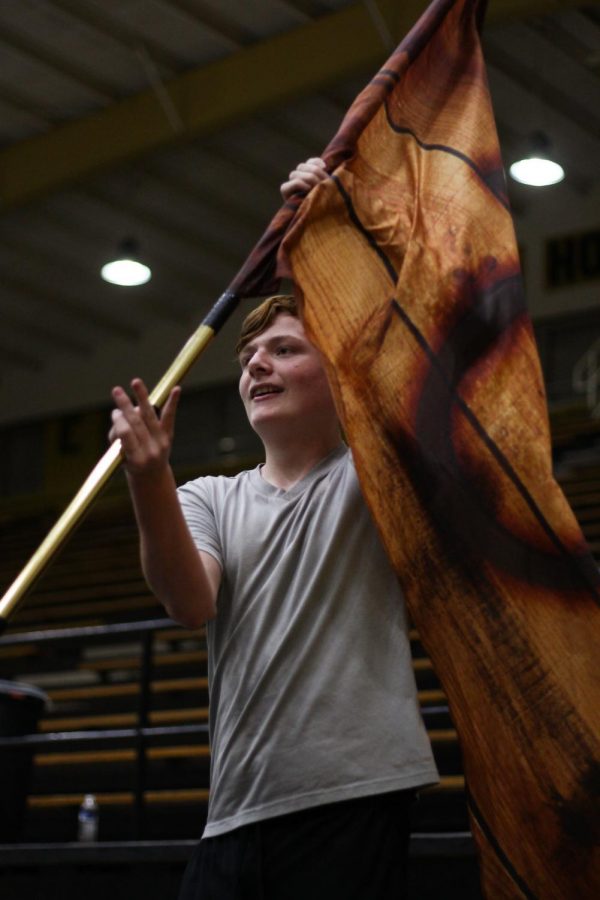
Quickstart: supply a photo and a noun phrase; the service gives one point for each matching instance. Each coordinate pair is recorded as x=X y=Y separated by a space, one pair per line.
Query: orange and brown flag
x=406 y=262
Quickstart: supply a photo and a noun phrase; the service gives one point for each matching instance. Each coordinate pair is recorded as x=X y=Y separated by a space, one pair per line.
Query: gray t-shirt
x=312 y=693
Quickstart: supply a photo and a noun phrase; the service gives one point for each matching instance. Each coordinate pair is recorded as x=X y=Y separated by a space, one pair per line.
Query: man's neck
x=287 y=463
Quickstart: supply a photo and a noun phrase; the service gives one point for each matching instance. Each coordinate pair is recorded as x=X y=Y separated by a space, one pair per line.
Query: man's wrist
x=155 y=476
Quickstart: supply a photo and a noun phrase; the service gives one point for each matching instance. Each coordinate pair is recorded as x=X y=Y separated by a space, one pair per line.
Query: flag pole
x=109 y=463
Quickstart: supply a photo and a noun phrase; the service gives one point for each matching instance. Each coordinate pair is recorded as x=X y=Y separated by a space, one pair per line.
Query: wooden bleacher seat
x=571 y=425
x=61 y=776
x=97 y=580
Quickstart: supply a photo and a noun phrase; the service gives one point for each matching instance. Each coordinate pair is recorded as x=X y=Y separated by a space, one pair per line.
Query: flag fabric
x=406 y=264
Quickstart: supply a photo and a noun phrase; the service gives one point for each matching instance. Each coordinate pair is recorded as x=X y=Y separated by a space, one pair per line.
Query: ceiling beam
x=16 y=358
x=527 y=77
x=73 y=310
x=307 y=59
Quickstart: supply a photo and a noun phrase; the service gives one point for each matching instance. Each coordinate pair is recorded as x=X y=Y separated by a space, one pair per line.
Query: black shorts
x=354 y=850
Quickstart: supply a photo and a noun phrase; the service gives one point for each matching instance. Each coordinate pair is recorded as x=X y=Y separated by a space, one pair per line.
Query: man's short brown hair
x=259 y=319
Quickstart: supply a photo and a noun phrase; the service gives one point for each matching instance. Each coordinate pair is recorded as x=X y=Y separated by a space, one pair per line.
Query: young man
x=317 y=741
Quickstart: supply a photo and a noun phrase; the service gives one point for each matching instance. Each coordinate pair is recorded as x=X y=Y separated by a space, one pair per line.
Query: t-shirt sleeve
x=198 y=510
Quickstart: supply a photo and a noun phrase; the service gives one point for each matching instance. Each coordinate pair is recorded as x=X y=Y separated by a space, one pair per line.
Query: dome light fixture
x=126 y=270
x=537 y=169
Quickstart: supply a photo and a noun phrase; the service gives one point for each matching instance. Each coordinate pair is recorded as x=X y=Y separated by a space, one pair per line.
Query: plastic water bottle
x=87 y=819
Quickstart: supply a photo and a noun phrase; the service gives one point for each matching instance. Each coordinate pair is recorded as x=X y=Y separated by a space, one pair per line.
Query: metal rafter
x=9 y=357
x=56 y=61
x=216 y=21
x=118 y=31
x=534 y=82
x=12 y=97
x=50 y=338
x=573 y=48
x=160 y=224
x=213 y=96
x=207 y=195
x=74 y=310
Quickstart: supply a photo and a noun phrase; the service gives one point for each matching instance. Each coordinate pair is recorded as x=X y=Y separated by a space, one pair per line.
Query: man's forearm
x=170 y=560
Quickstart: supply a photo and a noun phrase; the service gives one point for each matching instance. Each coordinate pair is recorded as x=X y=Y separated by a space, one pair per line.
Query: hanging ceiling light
x=126 y=270
x=537 y=169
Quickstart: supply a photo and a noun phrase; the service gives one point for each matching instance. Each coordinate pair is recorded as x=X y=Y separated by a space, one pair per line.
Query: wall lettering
x=573 y=259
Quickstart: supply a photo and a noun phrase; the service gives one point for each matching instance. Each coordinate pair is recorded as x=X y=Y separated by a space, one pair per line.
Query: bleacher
x=127 y=715
x=576 y=452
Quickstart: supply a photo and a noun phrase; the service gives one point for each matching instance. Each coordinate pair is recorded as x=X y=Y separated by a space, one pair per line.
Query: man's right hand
x=146 y=437
x=186 y=580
